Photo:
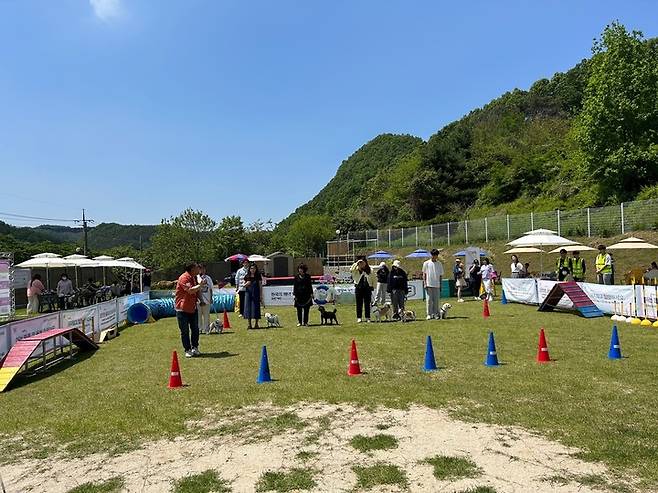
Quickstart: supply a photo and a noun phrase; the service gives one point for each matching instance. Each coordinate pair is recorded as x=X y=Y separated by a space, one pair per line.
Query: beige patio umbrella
x=573 y=248
x=632 y=243
x=524 y=250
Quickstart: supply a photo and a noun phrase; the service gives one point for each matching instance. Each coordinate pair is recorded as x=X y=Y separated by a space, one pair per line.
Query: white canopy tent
x=46 y=261
x=541 y=238
x=524 y=250
x=573 y=248
x=258 y=258
x=80 y=261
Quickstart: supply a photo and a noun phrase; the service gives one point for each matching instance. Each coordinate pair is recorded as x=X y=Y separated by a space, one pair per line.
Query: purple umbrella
x=238 y=257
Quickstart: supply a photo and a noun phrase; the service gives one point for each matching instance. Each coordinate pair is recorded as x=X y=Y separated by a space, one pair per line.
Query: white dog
x=443 y=313
x=408 y=316
x=272 y=320
x=217 y=326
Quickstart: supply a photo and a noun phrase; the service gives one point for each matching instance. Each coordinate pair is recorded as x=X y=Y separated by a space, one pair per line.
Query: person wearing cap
x=382 y=281
x=562 y=266
x=578 y=267
x=398 y=286
x=460 y=282
x=603 y=266
x=432 y=277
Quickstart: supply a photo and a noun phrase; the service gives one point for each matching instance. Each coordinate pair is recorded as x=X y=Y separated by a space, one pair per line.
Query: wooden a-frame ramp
x=578 y=297
x=20 y=353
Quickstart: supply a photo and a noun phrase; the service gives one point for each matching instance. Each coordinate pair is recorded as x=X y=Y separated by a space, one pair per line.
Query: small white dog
x=217 y=326
x=272 y=320
x=408 y=316
x=443 y=313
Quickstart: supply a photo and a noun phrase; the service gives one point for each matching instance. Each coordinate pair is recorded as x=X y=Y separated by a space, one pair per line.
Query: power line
x=21 y=216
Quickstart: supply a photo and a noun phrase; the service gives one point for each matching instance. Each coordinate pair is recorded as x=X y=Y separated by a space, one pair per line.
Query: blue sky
x=136 y=109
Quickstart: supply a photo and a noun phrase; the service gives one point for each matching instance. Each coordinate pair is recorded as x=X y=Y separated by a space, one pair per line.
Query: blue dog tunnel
x=139 y=313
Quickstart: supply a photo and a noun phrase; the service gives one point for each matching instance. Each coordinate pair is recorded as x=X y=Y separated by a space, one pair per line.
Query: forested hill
x=100 y=237
x=585 y=137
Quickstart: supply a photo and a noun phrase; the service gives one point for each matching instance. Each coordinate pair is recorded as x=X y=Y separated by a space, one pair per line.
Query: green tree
x=618 y=127
x=190 y=236
x=308 y=235
x=231 y=237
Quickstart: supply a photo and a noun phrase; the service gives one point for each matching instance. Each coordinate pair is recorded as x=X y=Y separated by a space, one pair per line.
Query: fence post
x=431 y=235
x=532 y=220
x=448 y=223
x=507 y=227
x=466 y=229
x=416 y=236
x=621 y=206
x=558 y=223
x=486 y=230
x=389 y=237
x=402 y=236
x=377 y=241
x=589 y=225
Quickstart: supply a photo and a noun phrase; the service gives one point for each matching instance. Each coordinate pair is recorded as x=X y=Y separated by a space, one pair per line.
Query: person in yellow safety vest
x=577 y=267
x=603 y=266
x=562 y=266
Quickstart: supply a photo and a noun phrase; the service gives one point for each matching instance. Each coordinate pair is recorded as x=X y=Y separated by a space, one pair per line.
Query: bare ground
x=249 y=442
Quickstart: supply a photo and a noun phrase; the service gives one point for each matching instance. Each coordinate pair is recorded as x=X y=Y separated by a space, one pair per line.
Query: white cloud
x=106 y=10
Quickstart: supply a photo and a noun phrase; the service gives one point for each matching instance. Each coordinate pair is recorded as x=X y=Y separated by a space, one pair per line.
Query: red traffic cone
x=354 y=368
x=542 y=350
x=485 y=309
x=226 y=324
x=175 y=379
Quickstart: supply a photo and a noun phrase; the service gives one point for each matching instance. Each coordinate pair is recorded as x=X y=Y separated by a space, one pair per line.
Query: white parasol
x=632 y=243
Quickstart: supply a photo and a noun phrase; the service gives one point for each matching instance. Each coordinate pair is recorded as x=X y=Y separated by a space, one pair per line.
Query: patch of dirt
x=245 y=445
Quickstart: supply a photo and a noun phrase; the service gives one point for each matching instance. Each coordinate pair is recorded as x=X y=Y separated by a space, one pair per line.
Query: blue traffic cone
x=615 y=348
x=503 y=298
x=430 y=362
x=492 y=357
x=264 y=370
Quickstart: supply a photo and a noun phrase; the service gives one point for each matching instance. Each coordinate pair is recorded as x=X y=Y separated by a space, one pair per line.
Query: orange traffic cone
x=485 y=309
x=226 y=324
x=354 y=368
x=175 y=379
x=542 y=350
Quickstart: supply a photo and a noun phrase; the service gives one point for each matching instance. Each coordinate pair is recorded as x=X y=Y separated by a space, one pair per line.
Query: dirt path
x=244 y=446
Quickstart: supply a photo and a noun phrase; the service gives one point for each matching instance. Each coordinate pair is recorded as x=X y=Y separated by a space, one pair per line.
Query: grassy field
x=118 y=397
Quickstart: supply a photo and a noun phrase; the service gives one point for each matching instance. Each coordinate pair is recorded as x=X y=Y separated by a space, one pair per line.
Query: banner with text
x=73 y=319
x=521 y=290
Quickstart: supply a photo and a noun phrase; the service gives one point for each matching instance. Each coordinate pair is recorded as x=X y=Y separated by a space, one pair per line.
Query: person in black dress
x=253 y=283
x=475 y=278
x=302 y=291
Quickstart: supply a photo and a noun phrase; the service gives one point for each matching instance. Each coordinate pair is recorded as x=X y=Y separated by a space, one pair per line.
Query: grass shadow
x=26 y=378
x=221 y=354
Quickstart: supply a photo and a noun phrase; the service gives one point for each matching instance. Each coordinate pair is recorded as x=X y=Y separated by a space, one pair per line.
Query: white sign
x=521 y=290
x=605 y=296
x=5 y=343
x=122 y=309
x=107 y=315
x=21 y=278
x=278 y=295
x=5 y=289
x=72 y=319
x=33 y=326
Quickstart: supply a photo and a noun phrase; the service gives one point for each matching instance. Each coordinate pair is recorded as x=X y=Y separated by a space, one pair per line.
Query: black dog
x=327 y=317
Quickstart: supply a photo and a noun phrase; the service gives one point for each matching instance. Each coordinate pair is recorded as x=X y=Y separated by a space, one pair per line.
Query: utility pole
x=85 y=228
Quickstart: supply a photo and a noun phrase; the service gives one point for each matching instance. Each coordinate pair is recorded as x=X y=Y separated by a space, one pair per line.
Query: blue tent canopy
x=420 y=253
x=462 y=253
x=381 y=254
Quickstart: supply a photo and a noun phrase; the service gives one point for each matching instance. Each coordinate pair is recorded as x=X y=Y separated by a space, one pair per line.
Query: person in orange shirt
x=187 y=291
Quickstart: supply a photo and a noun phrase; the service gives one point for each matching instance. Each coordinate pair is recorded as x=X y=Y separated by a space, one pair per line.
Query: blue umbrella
x=420 y=253
x=381 y=254
x=462 y=253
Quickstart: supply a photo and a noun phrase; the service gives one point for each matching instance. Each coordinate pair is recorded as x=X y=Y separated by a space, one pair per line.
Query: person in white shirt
x=488 y=275
x=517 y=268
x=205 y=299
x=239 y=284
x=432 y=277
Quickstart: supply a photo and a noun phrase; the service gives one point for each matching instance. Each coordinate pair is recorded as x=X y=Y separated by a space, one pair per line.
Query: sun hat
x=382 y=264
x=396 y=263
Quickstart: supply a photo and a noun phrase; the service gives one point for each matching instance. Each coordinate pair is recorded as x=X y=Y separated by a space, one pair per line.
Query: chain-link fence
x=593 y=221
